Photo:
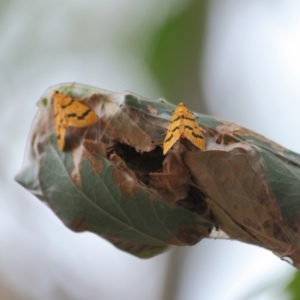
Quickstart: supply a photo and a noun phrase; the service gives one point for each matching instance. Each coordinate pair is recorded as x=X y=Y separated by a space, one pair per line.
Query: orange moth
x=69 y=112
x=183 y=125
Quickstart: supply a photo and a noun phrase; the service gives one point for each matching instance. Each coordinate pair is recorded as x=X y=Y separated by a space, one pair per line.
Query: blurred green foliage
x=293 y=288
x=175 y=55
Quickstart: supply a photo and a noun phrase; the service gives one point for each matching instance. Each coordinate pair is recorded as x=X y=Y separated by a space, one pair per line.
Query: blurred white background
x=250 y=70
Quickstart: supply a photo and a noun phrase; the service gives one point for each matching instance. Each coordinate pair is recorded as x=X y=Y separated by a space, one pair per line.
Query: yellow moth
x=183 y=125
x=69 y=112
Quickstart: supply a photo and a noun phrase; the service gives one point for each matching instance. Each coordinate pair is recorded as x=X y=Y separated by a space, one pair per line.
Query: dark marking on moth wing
x=188 y=127
x=187 y=118
x=175 y=128
x=68 y=104
x=178 y=118
x=79 y=117
x=169 y=139
x=171 y=136
x=193 y=133
x=197 y=136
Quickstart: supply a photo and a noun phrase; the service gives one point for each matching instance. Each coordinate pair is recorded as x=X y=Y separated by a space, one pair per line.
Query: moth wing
x=61 y=138
x=173 y=133
x=80 y=115
x=69 y=112
x=194 y=134
x=60 y=130
x=60 y=101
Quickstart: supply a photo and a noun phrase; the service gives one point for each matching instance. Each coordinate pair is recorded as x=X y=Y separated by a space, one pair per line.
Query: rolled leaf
x=113 y=179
